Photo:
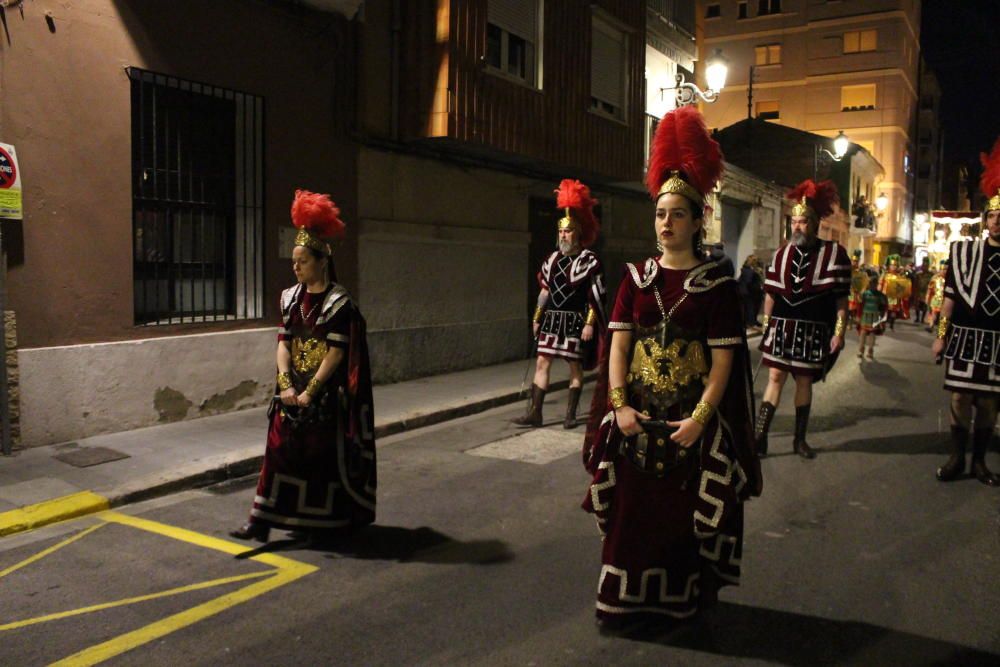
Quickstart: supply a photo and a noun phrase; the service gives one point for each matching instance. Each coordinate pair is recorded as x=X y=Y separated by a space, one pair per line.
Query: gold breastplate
x=668 y=367
x=307 y=354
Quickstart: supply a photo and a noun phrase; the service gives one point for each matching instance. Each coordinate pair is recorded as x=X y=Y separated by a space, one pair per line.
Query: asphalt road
x=859 y=557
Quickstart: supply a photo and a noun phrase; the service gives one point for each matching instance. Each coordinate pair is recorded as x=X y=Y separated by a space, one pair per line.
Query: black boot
x=980 y=441
x=252 y=531
x=955 y=466
x=571 y=403
x=761 y=428
x=534 y=414
x=799 y=444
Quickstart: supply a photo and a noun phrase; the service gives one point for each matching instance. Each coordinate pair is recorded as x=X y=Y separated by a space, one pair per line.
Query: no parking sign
x=10 y=184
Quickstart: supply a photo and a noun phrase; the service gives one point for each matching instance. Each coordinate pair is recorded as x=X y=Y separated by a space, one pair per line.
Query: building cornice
x=819 y=23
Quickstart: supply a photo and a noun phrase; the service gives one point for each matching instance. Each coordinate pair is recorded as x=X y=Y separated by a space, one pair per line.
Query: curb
x=80 y=504
x=41 y=514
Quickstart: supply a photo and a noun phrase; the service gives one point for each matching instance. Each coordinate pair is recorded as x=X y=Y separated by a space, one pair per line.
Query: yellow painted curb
x=51 y=511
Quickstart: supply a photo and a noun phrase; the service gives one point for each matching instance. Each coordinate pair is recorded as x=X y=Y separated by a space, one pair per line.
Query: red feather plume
x=576 y=196
x=821 y=197
x=989 y=182
x=317 y=214
x=682 y=143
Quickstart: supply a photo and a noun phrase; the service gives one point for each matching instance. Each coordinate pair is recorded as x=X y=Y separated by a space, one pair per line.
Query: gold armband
x=313 y=387
x=764 y=320
x=539 y=311
x=702 y=412
x=942 y=330
x=284 y=381
x=838 y=328
x=617 y=398
x=591 y=317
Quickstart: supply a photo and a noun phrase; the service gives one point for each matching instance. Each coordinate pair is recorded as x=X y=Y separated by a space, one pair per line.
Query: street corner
x=101 y=611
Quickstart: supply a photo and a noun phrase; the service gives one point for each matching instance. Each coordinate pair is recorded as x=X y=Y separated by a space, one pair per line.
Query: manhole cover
x=90 y=456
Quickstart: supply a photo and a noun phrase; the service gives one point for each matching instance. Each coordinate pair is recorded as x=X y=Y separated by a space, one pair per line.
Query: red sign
x=8 y=172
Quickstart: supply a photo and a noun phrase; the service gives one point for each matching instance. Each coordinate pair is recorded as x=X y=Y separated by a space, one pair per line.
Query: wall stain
x=171 y=404
x=228 y=399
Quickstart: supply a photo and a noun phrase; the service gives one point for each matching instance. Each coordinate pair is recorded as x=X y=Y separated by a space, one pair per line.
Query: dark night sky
x=960 y=40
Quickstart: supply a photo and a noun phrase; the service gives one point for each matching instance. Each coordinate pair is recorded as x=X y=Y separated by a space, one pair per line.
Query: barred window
x=197 y=201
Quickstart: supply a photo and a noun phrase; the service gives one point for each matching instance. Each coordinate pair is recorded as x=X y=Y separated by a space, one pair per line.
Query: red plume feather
x=989 y=182
x=821 y=197
x=682 y=143
x=576 y=196
x=317 y=214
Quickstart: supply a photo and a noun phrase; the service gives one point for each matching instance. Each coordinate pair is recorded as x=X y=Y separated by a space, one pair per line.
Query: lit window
x=857 y=41
x=768 y=54
x=857 y=98
x=768 y=110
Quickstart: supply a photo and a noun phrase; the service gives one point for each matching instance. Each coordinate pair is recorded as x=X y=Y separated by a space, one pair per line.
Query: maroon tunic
x=668 y=537
x=319 y=465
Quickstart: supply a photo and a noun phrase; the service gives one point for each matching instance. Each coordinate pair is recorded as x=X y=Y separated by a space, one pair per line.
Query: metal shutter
x=518 y=17
x=607 y=64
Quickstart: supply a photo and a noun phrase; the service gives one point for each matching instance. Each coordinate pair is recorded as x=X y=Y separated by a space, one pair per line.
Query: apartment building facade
x=825 y=67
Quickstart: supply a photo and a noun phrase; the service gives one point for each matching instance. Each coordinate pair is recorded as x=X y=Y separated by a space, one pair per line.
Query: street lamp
x=881 y=202
x=840 y=145
x=716 y=69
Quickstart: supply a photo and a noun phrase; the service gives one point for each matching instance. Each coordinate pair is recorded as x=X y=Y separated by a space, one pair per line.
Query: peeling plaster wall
x=76 y=391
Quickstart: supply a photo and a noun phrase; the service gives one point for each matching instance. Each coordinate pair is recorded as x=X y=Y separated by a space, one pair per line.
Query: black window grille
x=197 y=201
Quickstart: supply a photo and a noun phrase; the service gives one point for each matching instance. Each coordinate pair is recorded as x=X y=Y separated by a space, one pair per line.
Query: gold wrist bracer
x=591 y=317
x=617 y=398
x=764 y=320
x=313 y=387
x=284 y=381
x=942 y=330
x=838 y=328
x=702 y=412
x=539 y=311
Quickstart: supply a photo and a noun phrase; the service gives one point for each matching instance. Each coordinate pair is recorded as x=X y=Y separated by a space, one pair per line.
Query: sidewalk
x=37 y=489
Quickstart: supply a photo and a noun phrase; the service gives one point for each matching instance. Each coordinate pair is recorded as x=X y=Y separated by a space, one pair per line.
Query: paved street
x=859 y=557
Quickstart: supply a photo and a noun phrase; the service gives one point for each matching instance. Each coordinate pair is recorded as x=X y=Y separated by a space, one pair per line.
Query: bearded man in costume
x=318 y=475
x=968 y=335
x=669 y=444
x=897 y=289
x=805 y=311
x=569 y=320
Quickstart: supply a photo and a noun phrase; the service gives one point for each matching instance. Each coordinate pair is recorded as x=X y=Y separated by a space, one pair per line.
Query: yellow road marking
x=286 y=571
x=50 y=511
x=46 y=552
x=140 y=598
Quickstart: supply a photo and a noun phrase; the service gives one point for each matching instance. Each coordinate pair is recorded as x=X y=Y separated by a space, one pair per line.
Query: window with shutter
x=768 y=110
x=857 y=98
x=608 y=51
x=512 y=39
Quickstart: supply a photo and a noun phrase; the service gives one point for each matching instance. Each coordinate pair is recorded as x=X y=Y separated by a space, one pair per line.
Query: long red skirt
x=667 y=539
